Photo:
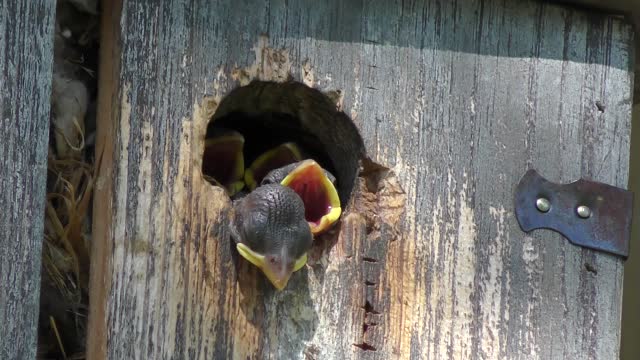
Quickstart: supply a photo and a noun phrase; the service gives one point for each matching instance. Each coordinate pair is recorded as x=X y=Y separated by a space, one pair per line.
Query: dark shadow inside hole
x=264 y=131
x=268 y=114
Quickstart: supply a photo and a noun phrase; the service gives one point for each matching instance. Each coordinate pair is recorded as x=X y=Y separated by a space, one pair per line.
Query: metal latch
x=587 y=213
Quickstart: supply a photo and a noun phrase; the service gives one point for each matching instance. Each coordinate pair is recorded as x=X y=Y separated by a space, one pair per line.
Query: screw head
x=583 y=211
x=543 y=204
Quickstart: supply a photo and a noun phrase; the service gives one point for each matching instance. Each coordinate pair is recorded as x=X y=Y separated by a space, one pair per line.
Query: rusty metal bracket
x=587 y=213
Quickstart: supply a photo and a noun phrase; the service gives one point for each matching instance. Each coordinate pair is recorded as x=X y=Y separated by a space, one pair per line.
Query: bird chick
x=269 y=228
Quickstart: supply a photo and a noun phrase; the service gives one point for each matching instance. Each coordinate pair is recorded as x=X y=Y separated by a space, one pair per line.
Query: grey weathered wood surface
x=26 y=53
x=457 y=99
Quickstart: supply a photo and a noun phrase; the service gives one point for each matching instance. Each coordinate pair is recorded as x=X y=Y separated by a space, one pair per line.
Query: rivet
x=543 y=204
x=583 y=211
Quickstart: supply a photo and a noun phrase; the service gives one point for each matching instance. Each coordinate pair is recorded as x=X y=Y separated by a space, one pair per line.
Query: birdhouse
x=340 y=180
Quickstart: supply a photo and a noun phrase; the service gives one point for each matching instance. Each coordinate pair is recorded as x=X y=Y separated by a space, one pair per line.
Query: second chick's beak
x=223 y=160
x=277 y=157
x=270 y=231
x=316 y=188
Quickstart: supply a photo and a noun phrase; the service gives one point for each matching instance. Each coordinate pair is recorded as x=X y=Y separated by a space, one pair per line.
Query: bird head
x=271 y=232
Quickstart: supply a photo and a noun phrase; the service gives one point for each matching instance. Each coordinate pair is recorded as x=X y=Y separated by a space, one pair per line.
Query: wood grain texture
x=26 y=57
x=456 y=99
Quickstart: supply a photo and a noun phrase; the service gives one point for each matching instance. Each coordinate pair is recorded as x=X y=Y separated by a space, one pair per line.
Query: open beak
x=282 y=155
x=318 y=193
x=223 y=160
x=277 y=277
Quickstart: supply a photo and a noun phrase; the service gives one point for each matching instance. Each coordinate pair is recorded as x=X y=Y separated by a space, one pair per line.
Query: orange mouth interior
x=313 y=194
x=320 y=198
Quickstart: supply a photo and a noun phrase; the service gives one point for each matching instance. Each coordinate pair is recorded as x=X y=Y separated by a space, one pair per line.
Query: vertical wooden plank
x=108 y=105
x=26 y=53
x=456 y=100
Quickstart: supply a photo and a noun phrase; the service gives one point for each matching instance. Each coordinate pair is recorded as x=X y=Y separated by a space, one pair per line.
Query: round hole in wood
x=262 y=116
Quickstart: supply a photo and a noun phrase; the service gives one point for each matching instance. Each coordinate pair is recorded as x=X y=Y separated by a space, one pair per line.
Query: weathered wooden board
x=26 y=53
x=456 y=98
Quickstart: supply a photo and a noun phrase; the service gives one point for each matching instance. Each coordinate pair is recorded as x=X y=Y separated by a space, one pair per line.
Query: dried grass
x=65 y=257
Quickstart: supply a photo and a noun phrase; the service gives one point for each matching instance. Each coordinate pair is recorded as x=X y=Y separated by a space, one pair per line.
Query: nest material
x=67 y=233
x=65 y=257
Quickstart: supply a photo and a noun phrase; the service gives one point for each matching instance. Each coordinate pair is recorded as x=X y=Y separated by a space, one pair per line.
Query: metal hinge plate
x=587 y=213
